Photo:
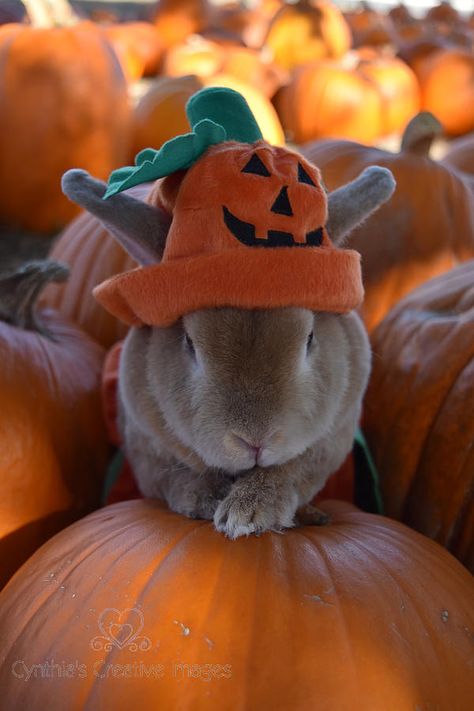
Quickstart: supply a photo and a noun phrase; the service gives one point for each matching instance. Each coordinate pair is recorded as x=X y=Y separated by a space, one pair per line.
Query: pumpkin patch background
x=348 y=84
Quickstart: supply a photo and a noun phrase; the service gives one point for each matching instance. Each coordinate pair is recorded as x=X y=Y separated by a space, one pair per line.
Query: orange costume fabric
x=248 y=231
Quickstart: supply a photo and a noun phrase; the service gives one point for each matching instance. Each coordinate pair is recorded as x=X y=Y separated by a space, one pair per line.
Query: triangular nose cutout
x=282 y=204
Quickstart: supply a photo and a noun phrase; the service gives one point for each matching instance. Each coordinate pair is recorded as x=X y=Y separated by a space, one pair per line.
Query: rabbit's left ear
x=140 y=228
x=353 y=203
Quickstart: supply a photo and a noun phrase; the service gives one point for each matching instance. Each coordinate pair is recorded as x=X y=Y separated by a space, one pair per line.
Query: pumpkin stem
x=20 y=290
x=50 y=13
x=420 y=134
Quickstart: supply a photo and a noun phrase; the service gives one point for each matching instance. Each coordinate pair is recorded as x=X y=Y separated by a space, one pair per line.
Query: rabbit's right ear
x=140 y=228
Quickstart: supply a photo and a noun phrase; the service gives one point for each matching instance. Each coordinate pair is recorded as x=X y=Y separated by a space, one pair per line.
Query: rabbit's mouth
x=245 y=233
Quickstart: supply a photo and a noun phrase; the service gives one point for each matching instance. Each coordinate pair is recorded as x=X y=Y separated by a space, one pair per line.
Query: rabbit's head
x=242 y=386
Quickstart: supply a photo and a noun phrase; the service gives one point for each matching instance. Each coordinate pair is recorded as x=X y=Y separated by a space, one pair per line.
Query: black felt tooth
x=256 y=166
x=303 y=176
x=282 y=205
x=314 y=238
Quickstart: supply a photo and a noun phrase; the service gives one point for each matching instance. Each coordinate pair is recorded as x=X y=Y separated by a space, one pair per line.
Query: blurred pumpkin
x=177 y=19
x=362 y=97
x=362 y=608
x=63 y=104
x=53 y=449
x=195 y=55
x=307 y=30
x=138 y=47
x=446 y=79
x=369 y=27
x=400 y=14
x=425 y=229
x=443 y=13
x=418 y=410
x=397 y=86
x=326 y=98
x=253 y=68
x=160 y=114
x=250 y=24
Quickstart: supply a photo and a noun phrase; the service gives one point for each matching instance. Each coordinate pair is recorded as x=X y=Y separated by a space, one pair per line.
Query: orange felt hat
x=247 y=231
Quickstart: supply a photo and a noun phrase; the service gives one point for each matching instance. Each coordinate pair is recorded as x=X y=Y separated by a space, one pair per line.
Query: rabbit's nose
x=253 y=447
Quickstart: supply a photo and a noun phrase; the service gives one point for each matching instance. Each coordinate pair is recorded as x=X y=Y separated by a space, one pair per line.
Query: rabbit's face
x=252 y=387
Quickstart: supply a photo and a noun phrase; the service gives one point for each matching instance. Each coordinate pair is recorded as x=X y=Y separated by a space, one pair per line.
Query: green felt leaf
x=178 y=153
x=216 y=114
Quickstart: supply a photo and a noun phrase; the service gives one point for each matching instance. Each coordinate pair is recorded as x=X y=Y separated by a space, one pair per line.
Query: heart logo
x=121 y=628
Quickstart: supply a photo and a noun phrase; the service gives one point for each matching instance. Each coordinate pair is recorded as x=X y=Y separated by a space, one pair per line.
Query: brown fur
x=252 y=377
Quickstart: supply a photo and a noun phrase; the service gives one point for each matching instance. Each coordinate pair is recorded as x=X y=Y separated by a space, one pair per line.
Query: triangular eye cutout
x=303 y=176
x=256 y=167
x=282 y=204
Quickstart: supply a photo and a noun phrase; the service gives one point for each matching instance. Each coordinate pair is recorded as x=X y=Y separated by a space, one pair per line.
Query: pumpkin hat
x=234 y=222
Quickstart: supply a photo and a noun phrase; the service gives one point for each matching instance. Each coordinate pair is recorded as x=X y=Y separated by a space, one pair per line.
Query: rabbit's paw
x=255 y=506
x=200 y=497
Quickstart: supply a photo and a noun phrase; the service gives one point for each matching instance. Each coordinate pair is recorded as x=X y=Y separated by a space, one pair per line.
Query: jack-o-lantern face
x=245 y=231
x=245 y=195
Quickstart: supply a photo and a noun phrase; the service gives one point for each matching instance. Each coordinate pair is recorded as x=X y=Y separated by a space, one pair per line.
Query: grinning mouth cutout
x=245 y=233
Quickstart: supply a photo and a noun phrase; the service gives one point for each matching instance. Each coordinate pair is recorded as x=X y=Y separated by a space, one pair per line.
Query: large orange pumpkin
x=425 y=229
x=362 y=97
x=419 y=410
x=138 y=607
x=307 y=30
x=53 y=450
x=63 y=104
x=446 y=80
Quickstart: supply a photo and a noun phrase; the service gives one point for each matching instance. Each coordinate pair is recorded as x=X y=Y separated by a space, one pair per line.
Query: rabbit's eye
x=189 y=344
x=309 y=341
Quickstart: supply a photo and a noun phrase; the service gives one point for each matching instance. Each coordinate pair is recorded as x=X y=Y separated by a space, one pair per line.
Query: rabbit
x=238 y=416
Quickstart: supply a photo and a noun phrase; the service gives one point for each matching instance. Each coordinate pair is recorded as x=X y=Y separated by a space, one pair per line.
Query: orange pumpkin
x=446 y=80
x=160 y=113
x=53 y=450
x=138 y=46
x=404 y=243
x=443 y=13
x=249 y=24
x=307 y=30
x=253 y=68
x=144 y=608
x=177 y=19
x=362 y=97
x=195 y=55
x=400 y=15
x=63 y=103
x=418 y=410
x=204 y=57
x=368 y=27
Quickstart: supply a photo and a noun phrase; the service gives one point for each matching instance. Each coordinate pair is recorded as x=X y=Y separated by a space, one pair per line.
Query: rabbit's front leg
x=261 y=500
x=193 y=494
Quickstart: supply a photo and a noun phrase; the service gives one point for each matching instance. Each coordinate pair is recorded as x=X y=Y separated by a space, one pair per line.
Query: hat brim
x=319 y=279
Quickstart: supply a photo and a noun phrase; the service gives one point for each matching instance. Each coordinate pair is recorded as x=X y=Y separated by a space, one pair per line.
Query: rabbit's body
x=238 y=414
x=247 y=424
